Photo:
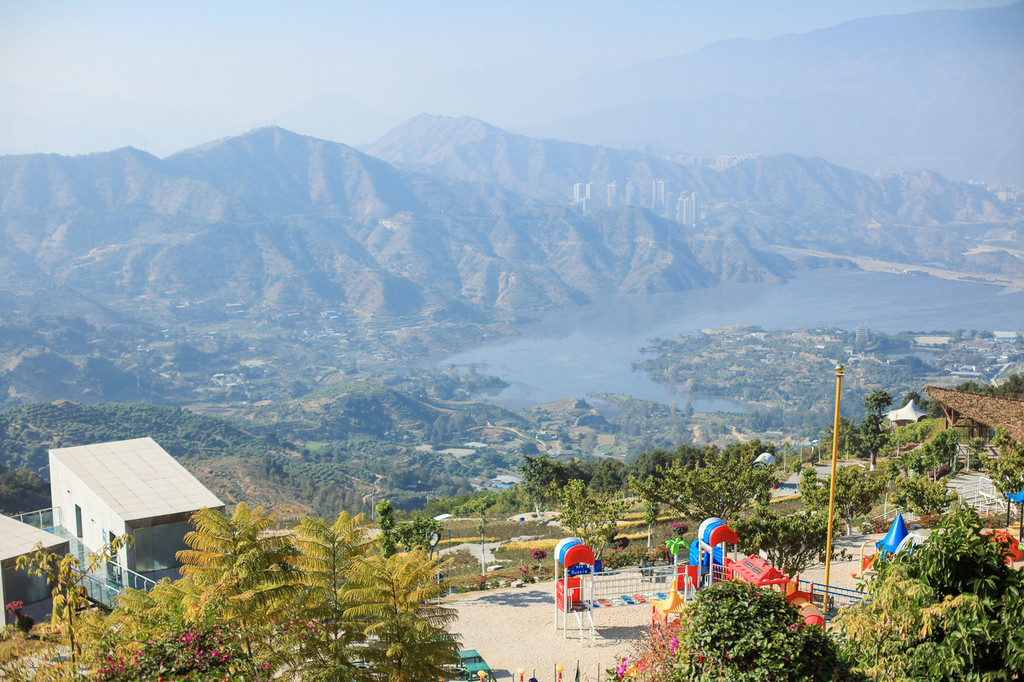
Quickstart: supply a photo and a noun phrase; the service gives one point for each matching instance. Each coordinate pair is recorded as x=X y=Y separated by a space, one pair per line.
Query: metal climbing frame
x=646 y=581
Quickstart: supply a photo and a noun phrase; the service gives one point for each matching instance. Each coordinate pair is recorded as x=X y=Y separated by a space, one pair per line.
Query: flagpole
x=832 y=478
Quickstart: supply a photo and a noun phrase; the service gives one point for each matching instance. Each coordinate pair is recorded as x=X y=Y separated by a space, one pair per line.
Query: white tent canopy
x=906 y=414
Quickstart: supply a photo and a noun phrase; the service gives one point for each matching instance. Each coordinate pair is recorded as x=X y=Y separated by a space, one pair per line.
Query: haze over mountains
x=272 y=220
x=940 y=90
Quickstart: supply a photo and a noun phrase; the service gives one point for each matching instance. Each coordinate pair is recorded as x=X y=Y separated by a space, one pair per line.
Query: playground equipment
x=667 y=610
x=709 y=563
x=581 y=587
x=897 y=540
x=571 y=592
x=1012 y=544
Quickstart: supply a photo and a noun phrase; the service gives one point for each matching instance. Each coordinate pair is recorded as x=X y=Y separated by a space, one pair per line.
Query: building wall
x=98 y=519
x=18 y=585
x=34 y=591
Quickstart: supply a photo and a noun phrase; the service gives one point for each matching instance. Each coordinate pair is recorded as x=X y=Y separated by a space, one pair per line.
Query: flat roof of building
x=18 y=539
x=137 y=478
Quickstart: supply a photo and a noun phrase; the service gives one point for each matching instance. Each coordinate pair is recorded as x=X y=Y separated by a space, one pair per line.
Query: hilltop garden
x=371 y=599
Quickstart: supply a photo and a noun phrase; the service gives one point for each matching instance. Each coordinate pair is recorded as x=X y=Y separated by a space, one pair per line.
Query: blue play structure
x=704 y=561
x=896 y=538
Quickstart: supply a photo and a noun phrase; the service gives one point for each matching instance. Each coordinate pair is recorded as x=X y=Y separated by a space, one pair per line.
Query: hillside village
x=133 y=522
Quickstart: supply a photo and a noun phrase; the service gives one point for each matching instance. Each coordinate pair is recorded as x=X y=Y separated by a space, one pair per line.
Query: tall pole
x=832 y=478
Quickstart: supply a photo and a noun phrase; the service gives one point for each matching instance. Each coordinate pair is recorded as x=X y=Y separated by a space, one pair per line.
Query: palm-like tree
x=326 y=554
x=158 y=610
x=392 y=598
x=245 y=571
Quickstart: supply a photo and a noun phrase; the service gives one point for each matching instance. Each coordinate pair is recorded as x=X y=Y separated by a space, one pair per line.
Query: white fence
x=981 y=494
x=627 y=582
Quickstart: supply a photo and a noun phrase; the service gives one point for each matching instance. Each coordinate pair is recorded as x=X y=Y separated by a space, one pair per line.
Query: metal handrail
x=126 y=577
x=100 y=590
x=38 y=515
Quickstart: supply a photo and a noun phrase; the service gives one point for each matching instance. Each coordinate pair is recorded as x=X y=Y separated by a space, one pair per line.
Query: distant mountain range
x=936 y=90
x=782 y=200
x=271 y=219
x=939 y=90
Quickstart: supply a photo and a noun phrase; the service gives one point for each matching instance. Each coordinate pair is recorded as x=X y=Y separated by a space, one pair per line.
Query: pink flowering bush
x=21 y=621
x=195 y=654
x=680 y=528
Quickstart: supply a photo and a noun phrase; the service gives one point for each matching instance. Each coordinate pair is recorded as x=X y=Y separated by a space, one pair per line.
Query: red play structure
x=573 y=560
x=710 y=564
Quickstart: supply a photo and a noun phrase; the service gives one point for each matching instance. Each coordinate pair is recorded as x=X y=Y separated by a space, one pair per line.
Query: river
x=592 y=348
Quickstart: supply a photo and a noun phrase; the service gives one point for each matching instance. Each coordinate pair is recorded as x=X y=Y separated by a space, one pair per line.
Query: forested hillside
x=318 y=459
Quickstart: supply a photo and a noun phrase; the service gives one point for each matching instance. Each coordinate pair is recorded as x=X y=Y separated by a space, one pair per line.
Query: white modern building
x=19 y=539
x=135 y=487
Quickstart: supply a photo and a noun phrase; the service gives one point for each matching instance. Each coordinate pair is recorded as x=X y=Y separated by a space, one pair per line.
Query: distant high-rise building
x=688 y=209
x=863 y=334
x=657 y=194
x=612 y=194
x=580 y=191
x=631 y=198
x=668 y=210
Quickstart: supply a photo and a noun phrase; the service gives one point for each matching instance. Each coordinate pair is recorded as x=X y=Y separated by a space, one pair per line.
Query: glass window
x=155 y=547
x=19 y=585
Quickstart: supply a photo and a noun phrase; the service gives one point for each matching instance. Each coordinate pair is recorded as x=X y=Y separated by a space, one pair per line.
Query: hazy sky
x=200 y=69
x=232 y=56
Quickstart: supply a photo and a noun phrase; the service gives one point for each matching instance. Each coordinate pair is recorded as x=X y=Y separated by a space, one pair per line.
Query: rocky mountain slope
x=785 y=200
x=271 y=219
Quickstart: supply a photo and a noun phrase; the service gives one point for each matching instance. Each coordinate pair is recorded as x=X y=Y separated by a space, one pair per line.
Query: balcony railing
x=102 y=586
x=44 y=519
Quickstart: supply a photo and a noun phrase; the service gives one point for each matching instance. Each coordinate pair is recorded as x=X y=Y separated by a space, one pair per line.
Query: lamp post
x=521 y=673
x=559 y=668
x=832 y=478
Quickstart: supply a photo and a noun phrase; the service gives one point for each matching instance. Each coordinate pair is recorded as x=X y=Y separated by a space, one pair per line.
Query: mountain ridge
x=272 y=218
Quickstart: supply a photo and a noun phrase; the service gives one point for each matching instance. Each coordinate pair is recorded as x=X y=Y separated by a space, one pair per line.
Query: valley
x=324 y=307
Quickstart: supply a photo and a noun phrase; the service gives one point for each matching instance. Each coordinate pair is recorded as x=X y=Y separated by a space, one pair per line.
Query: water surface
x=593 y=348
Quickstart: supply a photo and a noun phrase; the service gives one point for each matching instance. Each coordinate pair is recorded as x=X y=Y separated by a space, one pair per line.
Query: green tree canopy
x=715 y=484
x=855 y=492
x=242 y=569
x=735 y=631
x=923 y=496
x=791 y=543
x=951 y=610
x=395 y=598
x=591 y=518
x=388 y=527
x=416 y=532
x=873 y=435
x=324 y=559
x=849 y=439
